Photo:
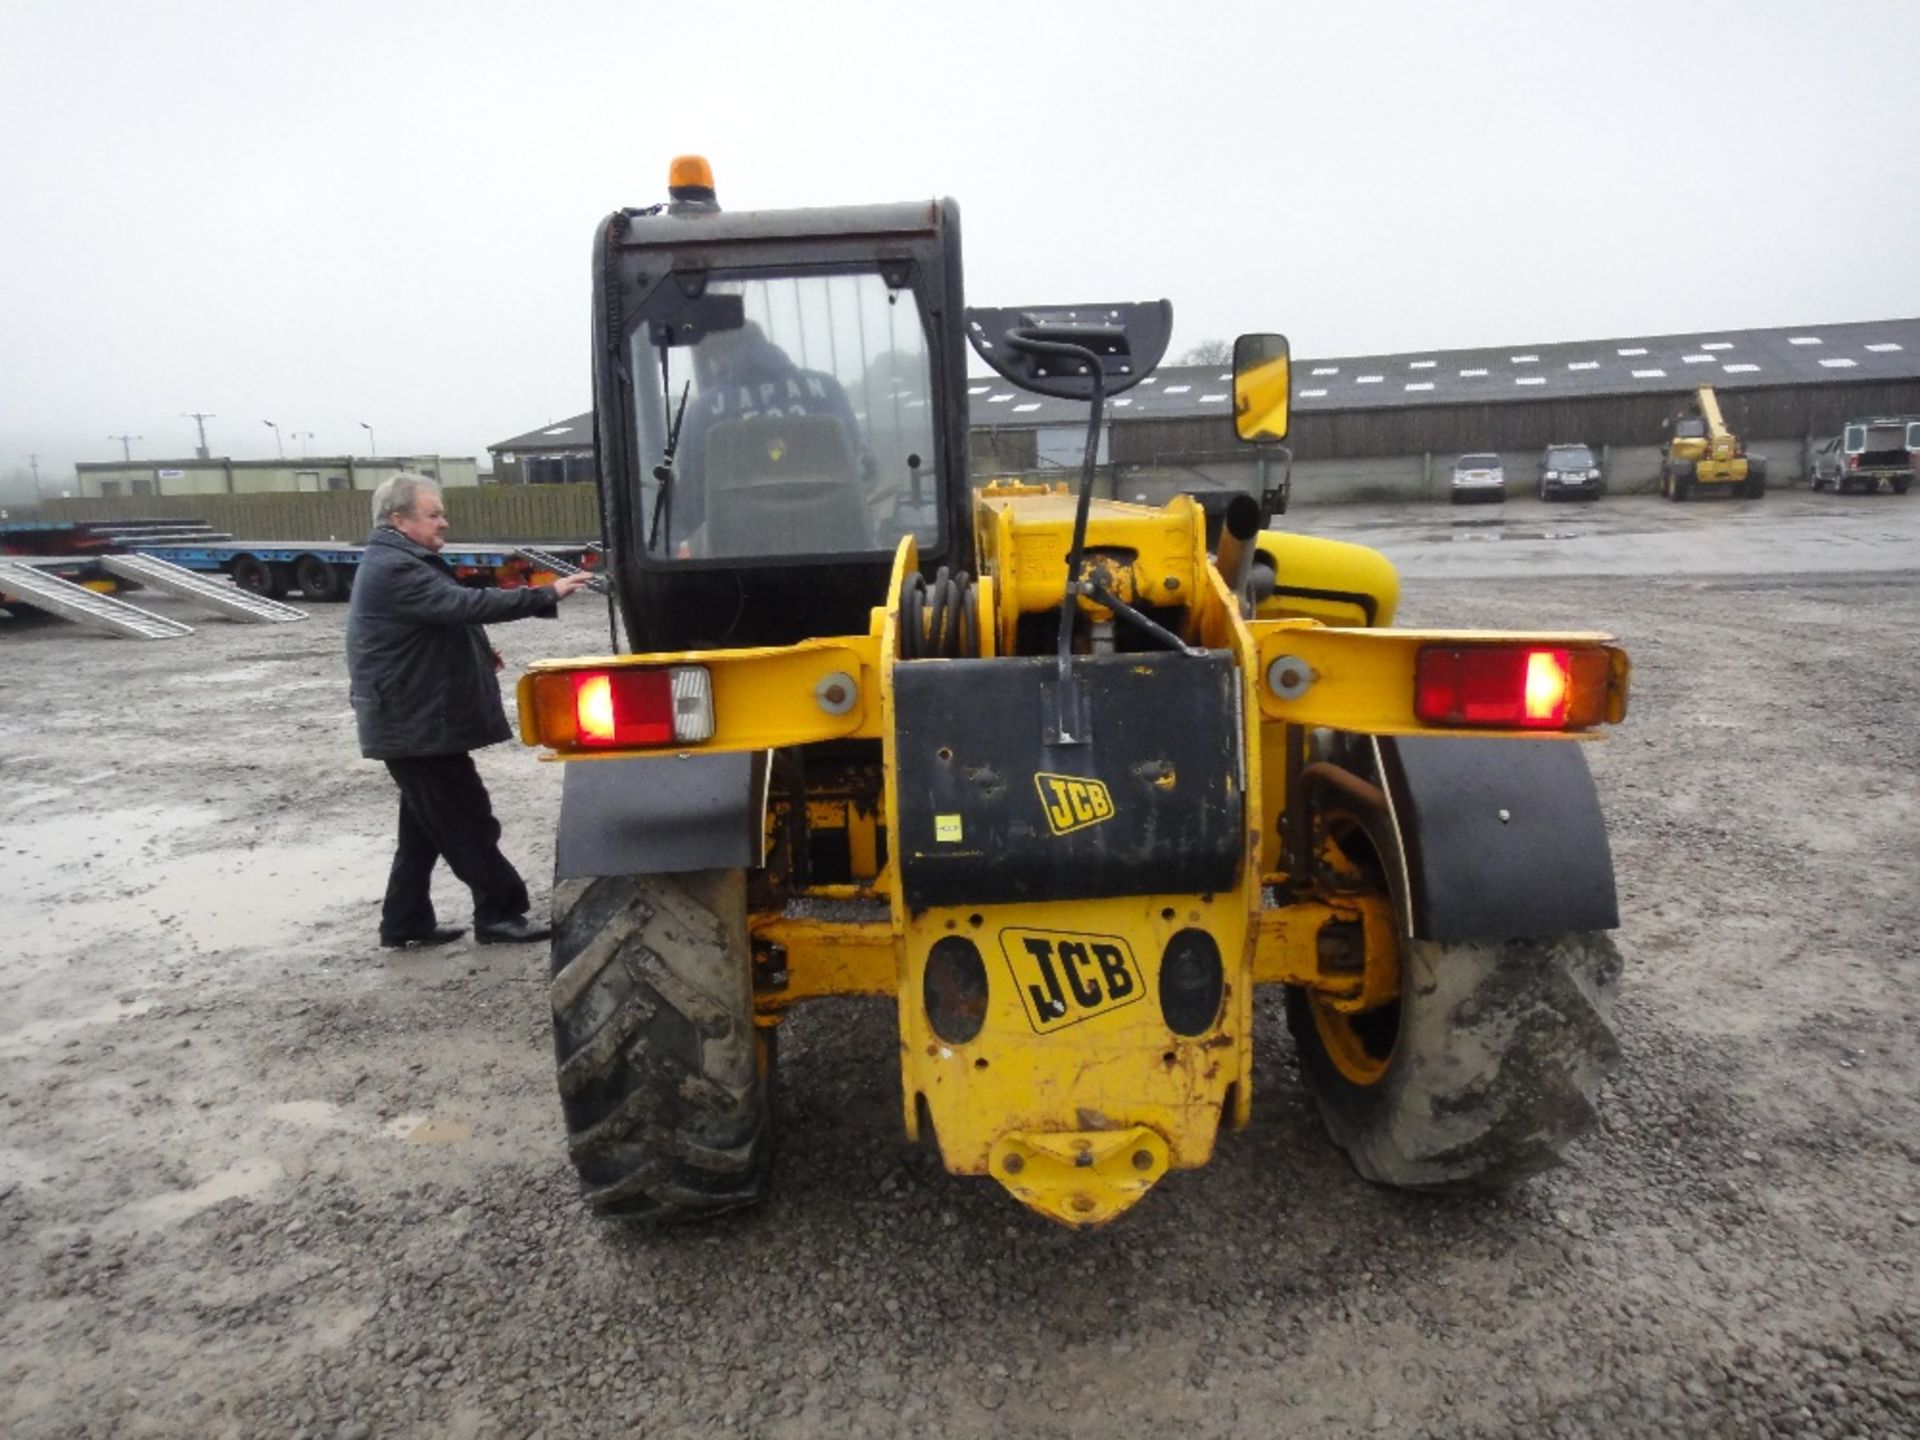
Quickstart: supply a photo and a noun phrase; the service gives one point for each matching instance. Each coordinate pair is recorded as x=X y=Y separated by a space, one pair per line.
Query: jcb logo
x=1072 y=803
x=1065 y=978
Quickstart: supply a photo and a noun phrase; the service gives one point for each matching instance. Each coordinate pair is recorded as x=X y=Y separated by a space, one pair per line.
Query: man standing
x=424 y=695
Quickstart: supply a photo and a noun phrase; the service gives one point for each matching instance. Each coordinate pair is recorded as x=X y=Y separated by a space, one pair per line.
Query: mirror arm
x=1026 y=340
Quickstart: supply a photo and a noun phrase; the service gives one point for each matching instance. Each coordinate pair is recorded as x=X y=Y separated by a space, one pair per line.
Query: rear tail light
x=625 y=708
x=1508 y=687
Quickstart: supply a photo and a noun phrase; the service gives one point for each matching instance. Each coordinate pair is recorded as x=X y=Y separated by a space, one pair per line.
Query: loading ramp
x=219 y=595
x=83 y=606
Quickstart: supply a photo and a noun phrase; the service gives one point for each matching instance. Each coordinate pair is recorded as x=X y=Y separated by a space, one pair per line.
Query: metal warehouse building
x=1390 y=425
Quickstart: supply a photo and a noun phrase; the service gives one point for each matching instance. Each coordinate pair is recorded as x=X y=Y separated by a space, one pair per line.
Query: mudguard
x=1503 y=839
x=662 y=815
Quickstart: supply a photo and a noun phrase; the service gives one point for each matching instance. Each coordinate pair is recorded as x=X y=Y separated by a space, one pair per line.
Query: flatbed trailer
x=318 y=569
x=324 y=569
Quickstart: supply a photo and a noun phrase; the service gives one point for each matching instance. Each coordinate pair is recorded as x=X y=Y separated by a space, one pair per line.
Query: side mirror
x=1262 y=387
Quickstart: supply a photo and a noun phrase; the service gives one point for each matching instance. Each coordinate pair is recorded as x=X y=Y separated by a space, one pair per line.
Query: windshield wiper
x=663 y=472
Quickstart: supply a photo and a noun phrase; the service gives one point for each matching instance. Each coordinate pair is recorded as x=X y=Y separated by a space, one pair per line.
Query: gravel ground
x=260 y=1178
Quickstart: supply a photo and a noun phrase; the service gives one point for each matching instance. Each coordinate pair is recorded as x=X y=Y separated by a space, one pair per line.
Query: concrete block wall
x=1625 y=470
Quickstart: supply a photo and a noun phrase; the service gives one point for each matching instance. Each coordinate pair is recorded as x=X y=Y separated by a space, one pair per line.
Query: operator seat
x=784 y=485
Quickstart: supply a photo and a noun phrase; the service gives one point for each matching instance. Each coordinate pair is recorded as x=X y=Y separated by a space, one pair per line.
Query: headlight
x=1553 y=474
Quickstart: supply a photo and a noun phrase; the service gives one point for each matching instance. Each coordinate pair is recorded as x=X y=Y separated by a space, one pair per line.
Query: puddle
x=213 y=898
x=425 y=1130
x=336 y=1328
x=1494 y=530
x=40 y=1031
x=56 y=854
x=24 y=1167
x=245 y=1181
x=239 y=675
x=26 y=796
x=222 y=898
x=314 y=1114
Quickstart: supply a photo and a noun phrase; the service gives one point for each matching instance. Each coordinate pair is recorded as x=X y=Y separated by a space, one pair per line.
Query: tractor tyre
x=1756 y=486
x=663 y=1078
x=1482 y=1072
x=1682 y=480
x=1902 y=485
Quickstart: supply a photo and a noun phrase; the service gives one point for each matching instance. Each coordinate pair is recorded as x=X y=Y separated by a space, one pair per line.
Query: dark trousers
x=445 y=813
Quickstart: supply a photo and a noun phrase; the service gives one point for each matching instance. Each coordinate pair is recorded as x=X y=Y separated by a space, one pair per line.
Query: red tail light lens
x=1503 y=687
x=624 y=707
x=621 y=707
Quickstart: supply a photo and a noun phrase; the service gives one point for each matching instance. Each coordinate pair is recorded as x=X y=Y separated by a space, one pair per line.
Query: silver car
x=1479 y=477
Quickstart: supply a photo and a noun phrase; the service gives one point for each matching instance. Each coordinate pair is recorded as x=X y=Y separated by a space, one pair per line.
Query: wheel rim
x=1360 y=1046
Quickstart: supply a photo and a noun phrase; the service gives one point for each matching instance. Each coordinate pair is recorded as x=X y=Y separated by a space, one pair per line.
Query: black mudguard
x=662 y=816
x=1503 y=839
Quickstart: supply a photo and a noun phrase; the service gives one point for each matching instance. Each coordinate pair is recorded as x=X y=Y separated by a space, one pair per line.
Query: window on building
x=109 y=489
x=143 y=487
x=336 y=482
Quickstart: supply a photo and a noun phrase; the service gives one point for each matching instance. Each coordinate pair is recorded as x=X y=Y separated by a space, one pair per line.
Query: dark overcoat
x=420 y=667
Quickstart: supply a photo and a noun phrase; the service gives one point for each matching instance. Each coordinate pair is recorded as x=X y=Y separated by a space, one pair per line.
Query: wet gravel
x=260 y=1178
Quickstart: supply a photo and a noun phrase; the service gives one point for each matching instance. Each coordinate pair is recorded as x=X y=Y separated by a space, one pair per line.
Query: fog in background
x=329 y=214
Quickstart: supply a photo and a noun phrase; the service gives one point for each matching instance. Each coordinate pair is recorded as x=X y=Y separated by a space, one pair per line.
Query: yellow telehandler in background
x=1040 y=768
x=1703 y=455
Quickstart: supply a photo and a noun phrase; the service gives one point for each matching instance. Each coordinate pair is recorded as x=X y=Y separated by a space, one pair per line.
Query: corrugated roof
x=1864 y=351
x=557 y=436
x=1883 y=350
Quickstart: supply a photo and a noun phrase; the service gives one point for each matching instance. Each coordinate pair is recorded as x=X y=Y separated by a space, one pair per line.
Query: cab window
x=806 y=428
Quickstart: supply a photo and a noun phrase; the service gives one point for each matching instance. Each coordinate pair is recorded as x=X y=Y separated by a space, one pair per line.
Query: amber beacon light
x=690 y=177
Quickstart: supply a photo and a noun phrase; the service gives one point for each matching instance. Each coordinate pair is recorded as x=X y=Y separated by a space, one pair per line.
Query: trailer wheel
x=1484 y=1069
x=1902 y=485
x=316 y=578
x=257 y=577
x=663 y=1077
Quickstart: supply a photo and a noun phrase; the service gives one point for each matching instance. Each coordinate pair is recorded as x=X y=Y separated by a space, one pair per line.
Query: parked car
x=1868 y=451
x=1478 y=477
x=1569 y=470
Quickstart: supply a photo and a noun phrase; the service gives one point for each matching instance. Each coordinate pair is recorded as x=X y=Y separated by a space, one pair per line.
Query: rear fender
x=1502 y=839
x=662 y=815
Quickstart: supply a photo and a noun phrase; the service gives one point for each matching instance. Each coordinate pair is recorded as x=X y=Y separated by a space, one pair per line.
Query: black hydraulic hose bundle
x=939 y=620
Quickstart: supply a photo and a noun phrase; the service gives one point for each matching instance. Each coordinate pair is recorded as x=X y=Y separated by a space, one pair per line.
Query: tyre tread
x=655 y=1050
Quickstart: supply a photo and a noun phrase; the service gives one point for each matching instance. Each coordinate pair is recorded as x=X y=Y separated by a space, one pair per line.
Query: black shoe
x=439 y=935
x=517 y=931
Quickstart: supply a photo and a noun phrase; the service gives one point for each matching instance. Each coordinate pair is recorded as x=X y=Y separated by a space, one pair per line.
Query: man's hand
x=499 y=660
x=565 y=585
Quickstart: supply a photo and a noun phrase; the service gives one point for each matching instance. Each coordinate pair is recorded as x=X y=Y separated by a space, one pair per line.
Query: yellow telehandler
x=1703 y=455
x=1048 y=771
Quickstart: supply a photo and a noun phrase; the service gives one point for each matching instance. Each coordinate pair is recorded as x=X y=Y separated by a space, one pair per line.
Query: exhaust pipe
x=1234 y=559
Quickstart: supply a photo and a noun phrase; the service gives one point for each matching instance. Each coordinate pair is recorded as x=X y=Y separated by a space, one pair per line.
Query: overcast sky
x=323 y=214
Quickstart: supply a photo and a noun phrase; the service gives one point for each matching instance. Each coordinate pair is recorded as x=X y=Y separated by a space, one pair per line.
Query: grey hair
x=397 y=494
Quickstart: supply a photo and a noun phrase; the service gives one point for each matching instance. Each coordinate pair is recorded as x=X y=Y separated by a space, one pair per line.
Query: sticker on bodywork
x=1072 y=802
x=1064 y=978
